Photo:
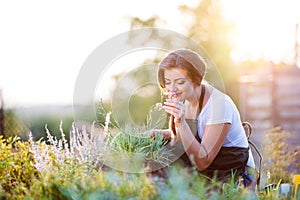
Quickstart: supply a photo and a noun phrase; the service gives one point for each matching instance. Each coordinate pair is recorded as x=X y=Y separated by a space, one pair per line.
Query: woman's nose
x=173 y=87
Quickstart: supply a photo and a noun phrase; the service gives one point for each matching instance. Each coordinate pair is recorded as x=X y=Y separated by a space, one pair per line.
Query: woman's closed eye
x=180 y=81
x=177 y=81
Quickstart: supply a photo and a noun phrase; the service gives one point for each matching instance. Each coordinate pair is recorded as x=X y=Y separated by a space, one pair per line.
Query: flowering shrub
x=84 y=149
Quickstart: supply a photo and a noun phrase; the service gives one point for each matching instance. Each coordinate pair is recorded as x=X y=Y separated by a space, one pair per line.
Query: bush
x=277 y=155
x=16 y=169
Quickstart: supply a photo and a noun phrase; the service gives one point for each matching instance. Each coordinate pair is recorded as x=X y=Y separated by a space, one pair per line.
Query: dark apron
x=229 y=161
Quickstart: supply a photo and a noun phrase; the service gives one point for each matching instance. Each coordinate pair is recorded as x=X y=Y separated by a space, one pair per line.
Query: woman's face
x=178 y=83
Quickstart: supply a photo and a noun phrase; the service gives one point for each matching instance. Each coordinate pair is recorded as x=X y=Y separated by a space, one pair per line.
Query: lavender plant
x=84 y=149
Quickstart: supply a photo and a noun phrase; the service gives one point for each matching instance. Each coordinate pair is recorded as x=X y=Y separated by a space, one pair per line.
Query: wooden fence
x=271 y=98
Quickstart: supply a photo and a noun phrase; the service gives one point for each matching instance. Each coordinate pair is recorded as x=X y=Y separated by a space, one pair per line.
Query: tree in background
x=13 y=126
x=211 y=31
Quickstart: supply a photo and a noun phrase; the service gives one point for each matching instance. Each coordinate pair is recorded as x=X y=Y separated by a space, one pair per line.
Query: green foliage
x=58 y=170
x=13 y=126
x=94 y=185
x=183 y=184
x=37 y=126
x=137 y=142
x=132 y=142
x=16 y=169
x=277 y=155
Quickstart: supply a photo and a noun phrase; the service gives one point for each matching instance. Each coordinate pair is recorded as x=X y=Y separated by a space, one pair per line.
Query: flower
x=159 y=106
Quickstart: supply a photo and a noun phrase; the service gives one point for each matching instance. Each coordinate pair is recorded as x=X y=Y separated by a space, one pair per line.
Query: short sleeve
x=220 y=109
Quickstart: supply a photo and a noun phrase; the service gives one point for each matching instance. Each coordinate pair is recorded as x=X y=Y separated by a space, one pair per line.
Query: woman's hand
x=166 y=133
x=175 y=108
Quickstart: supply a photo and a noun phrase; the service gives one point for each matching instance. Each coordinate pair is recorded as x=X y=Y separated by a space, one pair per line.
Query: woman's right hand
x=166 y=133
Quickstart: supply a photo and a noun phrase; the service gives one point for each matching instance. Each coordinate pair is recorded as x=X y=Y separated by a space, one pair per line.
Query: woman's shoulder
x=216 y=94
x=219 y=101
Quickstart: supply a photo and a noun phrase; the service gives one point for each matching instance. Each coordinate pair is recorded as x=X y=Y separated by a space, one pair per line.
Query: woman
x=204 y=121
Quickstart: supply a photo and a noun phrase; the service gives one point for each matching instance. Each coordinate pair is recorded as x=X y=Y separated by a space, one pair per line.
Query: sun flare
x=264 y=29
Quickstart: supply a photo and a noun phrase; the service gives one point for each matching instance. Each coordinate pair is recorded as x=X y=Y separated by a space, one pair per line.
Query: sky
x=43 y=44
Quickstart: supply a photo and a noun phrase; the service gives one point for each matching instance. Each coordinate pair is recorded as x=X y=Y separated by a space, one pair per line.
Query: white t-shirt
x=221 y=109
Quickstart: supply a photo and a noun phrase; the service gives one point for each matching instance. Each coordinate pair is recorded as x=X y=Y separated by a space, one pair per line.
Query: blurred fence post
x=297 y=47
x=274 y=96
x=1 y=114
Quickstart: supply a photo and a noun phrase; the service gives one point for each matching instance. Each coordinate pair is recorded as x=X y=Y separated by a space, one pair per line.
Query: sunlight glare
x=264 y=29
